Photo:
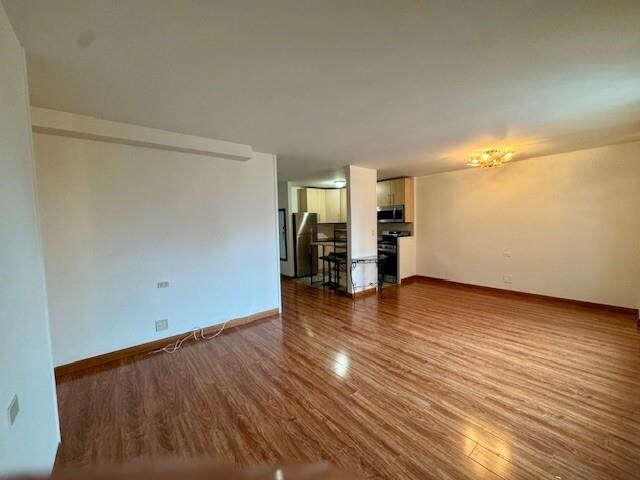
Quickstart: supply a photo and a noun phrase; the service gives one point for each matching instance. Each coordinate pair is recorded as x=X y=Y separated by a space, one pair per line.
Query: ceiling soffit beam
x=54 y=122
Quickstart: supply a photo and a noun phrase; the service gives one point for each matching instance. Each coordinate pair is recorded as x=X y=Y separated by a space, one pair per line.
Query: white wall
x=363 y=224
x=117 y=219
x=571 y=221
x=25 y=351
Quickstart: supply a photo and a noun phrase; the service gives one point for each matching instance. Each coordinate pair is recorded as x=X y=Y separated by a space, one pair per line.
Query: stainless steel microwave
x=391 y=214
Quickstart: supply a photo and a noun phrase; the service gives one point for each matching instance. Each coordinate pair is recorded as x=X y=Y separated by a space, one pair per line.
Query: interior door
x=282 y=233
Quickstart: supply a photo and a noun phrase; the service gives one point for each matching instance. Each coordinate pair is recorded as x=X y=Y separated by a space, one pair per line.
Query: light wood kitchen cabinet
x=391 y=192
x=332 y=206
x=313 y=200
x=329 y=204
x=398 y=191
x=383 y=191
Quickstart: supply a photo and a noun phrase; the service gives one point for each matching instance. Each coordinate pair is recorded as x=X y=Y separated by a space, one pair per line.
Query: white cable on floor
x=175 y=346
x=198 y=332
x=204 y=337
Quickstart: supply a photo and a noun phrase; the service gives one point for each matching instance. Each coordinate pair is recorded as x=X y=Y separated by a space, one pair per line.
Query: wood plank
x=615 y=308
x=156 y=344
x=428 y=380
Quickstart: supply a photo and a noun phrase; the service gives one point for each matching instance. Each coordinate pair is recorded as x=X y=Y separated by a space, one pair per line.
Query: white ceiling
x=406 y=86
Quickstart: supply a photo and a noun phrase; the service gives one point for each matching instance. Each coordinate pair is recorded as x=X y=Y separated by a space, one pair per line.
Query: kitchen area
x=396 y=220
x=319 y=223
x=320 y=237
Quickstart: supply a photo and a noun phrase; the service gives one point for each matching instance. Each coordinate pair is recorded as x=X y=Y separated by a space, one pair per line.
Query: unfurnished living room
x=320 y=239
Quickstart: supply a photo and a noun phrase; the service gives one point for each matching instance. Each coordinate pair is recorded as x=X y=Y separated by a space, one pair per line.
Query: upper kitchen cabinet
x=332 y=206
x=313 y=200
x=383 y=191
x=329 y=204
x=398 y=191
x=343 y=205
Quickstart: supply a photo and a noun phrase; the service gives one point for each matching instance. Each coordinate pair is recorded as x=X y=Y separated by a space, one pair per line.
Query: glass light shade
x=490 y=158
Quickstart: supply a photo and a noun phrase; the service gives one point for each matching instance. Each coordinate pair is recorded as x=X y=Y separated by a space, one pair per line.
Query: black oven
x=391 y=214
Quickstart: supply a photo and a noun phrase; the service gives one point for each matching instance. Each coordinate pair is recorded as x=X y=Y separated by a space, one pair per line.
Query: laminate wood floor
x=431 y=381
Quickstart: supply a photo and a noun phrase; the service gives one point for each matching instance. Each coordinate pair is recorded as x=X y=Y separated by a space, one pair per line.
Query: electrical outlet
x=14 y=409
x=164 y=284
x=507 y=278
x=507 y=253
x=162 y=324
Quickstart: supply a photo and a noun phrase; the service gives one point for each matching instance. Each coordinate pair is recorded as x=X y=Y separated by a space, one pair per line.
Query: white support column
x=362 y=226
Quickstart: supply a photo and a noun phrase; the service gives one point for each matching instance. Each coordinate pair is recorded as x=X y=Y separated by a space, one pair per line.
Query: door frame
x=282 y=215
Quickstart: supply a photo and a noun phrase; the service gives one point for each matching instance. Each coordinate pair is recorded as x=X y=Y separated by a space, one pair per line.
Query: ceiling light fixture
x=490 y=158
x=340 y=183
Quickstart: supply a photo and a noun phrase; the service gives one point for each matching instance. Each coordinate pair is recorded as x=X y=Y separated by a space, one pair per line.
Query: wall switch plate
x=507 y=253
x=164 y=284
x=14 y=410
x=507 y=278
x=162 y=324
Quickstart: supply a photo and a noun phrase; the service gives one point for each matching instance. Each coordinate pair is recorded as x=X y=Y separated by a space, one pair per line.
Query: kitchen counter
x=329 y=243
x=366 y=259
x=406 y=257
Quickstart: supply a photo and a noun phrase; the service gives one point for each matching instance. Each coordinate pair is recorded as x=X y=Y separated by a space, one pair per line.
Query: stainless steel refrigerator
x=305 y=255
